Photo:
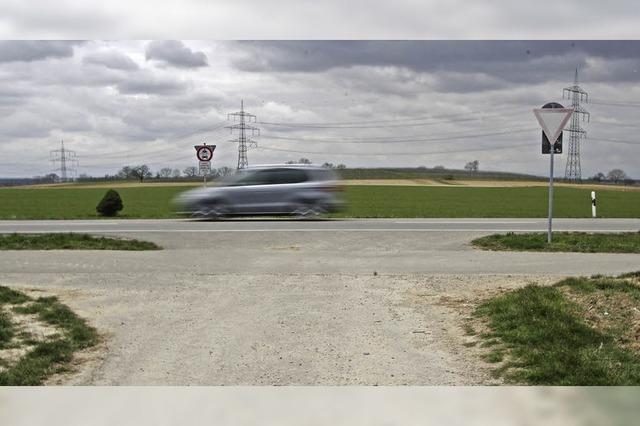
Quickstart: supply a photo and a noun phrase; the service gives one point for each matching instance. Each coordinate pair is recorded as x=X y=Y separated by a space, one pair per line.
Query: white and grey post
x=593 y=204
x=552 y=118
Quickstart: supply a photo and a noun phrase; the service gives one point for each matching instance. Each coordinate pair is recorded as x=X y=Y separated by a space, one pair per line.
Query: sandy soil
x=484 y=184
x=383 y=182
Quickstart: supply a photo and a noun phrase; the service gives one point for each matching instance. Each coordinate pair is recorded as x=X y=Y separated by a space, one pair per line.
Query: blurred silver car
x=303 y=191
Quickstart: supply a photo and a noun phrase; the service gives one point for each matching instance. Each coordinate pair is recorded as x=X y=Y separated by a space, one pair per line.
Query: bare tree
x=165 y=172
x=51 y=177
x=616 y=175
x=176 y=173
x=190 y=171
x=135 y=172
x=472 y=166
x=225 y=171
x=141 y=172
x=125 y=173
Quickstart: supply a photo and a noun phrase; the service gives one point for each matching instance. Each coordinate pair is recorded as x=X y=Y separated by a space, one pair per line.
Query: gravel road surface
x=290 y=302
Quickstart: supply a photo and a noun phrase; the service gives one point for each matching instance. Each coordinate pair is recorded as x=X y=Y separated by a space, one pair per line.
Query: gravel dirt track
x=278 y=329
x=266 y=303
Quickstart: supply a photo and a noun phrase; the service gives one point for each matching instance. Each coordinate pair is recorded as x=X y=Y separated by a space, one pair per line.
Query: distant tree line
x=325 y=165
x=143 y=172
x=614 y=176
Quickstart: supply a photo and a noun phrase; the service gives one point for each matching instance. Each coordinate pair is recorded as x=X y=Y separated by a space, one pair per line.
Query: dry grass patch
x=38 y=338
x=580 y=331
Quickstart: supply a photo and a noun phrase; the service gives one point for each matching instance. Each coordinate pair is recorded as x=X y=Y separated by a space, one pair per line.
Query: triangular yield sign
x=552 y=121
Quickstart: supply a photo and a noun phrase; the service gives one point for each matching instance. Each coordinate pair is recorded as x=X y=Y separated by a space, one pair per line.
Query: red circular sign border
x=202 y=148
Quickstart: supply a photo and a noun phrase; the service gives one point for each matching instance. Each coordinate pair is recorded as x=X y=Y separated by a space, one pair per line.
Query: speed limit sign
x=204 y=152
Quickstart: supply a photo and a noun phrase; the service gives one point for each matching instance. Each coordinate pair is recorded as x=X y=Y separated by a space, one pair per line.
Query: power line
x=380 y=126
x=616 y=124
x=212 y=128
x=631 y=104
x=340 y=124
x=493 y=148
x=444 y=136
x=150 y=163
x=628 y=142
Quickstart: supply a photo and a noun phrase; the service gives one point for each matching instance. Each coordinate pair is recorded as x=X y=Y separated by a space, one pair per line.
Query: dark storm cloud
x=111 y=59
x=514 y=61
x=28 y=51
x=175 y=53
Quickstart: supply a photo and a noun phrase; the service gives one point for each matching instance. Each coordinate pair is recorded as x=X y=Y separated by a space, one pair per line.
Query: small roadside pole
x=593 y=204
x=552 y=117
x=204 y=153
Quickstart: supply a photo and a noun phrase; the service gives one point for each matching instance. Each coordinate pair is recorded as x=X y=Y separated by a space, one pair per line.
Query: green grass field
x=425 y=201
x=364 y=201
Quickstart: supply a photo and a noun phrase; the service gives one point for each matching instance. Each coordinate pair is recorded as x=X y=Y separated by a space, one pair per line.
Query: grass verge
x=71 y=241
x=625 y=242
x=38 y=338
x=366 y=201
x=581 y=331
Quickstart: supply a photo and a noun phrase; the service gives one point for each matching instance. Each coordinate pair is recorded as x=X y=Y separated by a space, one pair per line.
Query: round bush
x=110 y=204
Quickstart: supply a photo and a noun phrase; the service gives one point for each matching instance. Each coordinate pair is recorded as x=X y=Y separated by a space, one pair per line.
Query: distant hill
x=433 y=173
x=18 y=181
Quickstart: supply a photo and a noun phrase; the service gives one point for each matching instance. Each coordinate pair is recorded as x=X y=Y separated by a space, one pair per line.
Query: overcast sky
x=361 y=103
x=315 y=19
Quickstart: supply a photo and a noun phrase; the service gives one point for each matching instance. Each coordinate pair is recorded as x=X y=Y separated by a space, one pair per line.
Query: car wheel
x=308 y=210
x=215 y=210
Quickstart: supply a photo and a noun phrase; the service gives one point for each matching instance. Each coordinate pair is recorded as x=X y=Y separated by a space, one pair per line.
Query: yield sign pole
x=552 y=120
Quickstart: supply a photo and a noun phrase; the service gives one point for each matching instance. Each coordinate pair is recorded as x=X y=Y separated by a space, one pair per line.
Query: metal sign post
x=550 y=197
x=204 y=169
x=204 y=153
x=552 y=117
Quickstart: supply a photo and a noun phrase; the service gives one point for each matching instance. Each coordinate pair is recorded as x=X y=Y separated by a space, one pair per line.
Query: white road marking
x=467 y=222
x=60 y=223
x=160 y=231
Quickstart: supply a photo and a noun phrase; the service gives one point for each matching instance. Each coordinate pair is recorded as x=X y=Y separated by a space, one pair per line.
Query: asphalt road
x=349 y=225
x=331 y=246
x=291 y=302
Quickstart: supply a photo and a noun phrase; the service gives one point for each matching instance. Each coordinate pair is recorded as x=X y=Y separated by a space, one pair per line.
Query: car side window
x=257 y=178
x=285 y=176
x=272 y=177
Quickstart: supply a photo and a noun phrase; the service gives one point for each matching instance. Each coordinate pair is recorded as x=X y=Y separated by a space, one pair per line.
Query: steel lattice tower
x=242 y=140
x=68 y=161
x=577 y=95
